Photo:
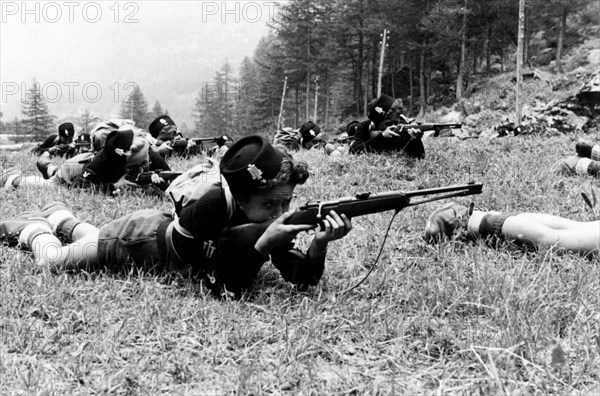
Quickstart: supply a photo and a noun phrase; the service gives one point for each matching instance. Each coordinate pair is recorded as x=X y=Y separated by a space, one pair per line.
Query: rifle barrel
x=474 y=188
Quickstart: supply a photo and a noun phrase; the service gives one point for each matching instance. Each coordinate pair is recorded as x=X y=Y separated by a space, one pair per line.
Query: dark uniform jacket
x=405 y=142
x=203 y=238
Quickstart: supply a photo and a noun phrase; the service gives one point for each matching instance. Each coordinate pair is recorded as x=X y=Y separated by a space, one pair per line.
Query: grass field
x=457 y=318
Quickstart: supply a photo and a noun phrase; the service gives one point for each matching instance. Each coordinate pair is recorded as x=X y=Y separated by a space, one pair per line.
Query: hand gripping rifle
x=69 y=150
x=145 y=178
x=359 y=205
x=367 y=203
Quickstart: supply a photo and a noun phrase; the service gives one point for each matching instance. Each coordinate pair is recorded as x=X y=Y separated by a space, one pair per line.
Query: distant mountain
x=169 y=53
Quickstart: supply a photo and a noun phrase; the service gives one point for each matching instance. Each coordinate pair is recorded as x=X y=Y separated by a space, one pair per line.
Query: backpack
x=103 y=129
x=288 y=137
x=194 y=183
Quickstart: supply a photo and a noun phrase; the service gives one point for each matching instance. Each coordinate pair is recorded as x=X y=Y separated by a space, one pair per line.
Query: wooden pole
x=280 y=119
x=316 y=99
x=381 y=57
x=520 y=43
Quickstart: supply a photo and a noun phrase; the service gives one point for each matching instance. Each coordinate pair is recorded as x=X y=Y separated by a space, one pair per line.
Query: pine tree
x=218 y=103
x=198 y=113
x=265 y=93
x=135 y=107
x=157 y=110
x=87 y=121
x=37 y=120
x=245 y=119
x=19 y=130
x=16 y=128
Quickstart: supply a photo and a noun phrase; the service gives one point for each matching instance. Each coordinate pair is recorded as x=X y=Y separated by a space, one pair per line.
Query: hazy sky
x=87 y=54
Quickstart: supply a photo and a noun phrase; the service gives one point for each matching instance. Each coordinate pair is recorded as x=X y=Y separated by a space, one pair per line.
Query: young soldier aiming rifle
x=256 y=187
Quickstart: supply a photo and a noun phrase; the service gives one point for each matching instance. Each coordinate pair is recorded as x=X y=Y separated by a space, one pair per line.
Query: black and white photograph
x=299 y=197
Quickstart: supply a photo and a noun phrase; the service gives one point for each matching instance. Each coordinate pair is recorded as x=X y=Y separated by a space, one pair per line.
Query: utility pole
x=280 y=119
x=381 y=57
x=520 y=44
x=316 y=98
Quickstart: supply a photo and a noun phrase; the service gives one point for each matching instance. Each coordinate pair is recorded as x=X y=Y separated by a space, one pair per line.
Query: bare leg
x=579 y=237
x=81 y=254
x=555 y=222
x=46 y=249
x=38 y=180
x=83 y=230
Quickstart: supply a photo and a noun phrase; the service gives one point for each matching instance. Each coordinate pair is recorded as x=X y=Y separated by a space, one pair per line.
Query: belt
x=163 y=240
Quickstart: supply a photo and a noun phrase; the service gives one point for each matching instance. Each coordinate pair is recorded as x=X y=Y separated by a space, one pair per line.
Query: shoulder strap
x=231 y=204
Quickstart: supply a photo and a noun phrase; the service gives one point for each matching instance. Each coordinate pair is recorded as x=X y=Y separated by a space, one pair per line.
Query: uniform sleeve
x=90 y=175
x=239 y=263
x=364 y=142
x=157 y=163
x=362 y=138
x=50 y=141
x=297 y=267
x=89 y=179
x=209 y=248
x=225 y=253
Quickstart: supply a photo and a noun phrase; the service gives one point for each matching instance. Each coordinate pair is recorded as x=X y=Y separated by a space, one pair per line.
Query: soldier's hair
x=397 y=106
x=291 y=172
x=140 y=141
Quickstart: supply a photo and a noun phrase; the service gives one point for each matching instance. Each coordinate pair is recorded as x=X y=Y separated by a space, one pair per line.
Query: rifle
x=359 y=205
x=71 y=149
x=342 y=139
x=83 y=146
x=180 y=145
x=398 y=127
x=367 y=203
x=145 y=178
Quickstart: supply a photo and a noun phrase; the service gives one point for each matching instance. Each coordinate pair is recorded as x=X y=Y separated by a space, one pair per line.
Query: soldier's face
x=65 y=139
x=269 y=204
x=139 y=160
x=393 y=114
x=167 y=134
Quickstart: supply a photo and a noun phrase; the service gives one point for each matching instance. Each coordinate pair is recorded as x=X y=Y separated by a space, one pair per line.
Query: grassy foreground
x=458 y=318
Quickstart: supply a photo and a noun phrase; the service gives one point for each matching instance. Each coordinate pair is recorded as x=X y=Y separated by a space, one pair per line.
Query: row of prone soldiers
x=252 y=185
x=240 y=220
x=115 y=154
x=379 y=132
